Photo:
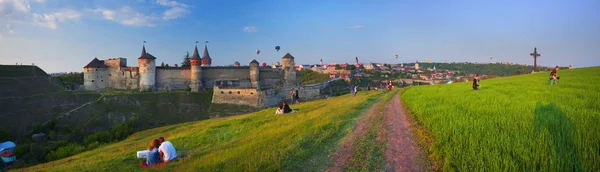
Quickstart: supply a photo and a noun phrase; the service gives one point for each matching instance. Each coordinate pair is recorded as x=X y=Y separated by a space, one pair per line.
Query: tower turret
x=206 y=60
x=289 y=71
x=254 y=73
x=147 y=71
x=196 y=71
x=356 y=62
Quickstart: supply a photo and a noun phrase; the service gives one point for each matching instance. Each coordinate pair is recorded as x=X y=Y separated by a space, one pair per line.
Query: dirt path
x=344 y=154
x=402 y=154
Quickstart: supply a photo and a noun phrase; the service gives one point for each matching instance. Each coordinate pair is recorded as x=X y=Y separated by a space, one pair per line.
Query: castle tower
x=147 y=71
x=356 y=62
x=289 y=69
x=206 y=60
x=321 y=63
x=95 y=75
x=417 y=65
x=196 y=71
x=254 y=72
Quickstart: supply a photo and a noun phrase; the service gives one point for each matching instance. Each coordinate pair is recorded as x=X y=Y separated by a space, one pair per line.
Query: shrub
x=65 y=151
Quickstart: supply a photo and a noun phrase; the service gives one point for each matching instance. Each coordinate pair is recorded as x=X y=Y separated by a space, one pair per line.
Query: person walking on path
x=355 y=90
x=554 y=76
x=352 y=89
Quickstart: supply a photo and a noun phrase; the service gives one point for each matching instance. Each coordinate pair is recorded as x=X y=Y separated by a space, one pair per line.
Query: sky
x=65 y=35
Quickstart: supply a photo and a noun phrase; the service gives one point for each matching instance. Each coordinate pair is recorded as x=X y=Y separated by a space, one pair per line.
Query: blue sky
x=64 y=35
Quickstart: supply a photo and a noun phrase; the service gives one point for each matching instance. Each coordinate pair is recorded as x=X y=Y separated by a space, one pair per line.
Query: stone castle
x=248 y=85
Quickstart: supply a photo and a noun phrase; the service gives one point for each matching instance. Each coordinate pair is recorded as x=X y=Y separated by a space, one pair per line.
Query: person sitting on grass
x=476 y=82
x=152 y=158
x=283 y=108
x=166 y=150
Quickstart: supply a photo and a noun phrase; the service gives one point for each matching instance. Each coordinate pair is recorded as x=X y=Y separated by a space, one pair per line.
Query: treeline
x=482 y=69
x=73 y=78
x=63 y=141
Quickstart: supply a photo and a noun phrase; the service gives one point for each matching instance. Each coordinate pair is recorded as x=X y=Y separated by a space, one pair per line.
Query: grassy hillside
x=21 y=71
x=516 y=123
x=258 y=141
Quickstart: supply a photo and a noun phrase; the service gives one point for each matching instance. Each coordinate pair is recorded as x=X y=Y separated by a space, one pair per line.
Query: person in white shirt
x=166 y=150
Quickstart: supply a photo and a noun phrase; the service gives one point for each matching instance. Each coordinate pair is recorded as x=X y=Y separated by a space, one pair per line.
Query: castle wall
x=95 y=78
x=270 y=78
x=173 y=78
x=124 y=78
x=240 y=96
x=210 y=75
x=116 y=62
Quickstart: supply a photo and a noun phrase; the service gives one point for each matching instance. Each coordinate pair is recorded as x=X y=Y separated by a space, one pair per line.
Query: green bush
x=312 y=77
x=65 y=151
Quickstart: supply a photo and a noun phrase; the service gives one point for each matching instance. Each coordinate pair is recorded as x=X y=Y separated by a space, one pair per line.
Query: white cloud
x=126 y=16
x=10 y=29
x=51 y=20
x=357 y=27
x=250 y=29
x=40 y=1
x=14 y=10
x=168 y=3
x=174 y=13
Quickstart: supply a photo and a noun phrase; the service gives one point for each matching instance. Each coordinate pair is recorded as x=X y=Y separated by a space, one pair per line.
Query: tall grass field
x=260 y=141
x=518 y=123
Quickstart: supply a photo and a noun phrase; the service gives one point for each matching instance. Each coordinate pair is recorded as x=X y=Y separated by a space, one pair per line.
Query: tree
x=338 y=67
x=162 y=64
x=350 y=67
x=186 y=60
x=167 y=65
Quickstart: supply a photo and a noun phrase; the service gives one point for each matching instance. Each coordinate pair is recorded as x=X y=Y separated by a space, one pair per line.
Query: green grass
x=371 y=146
x=21 y=71
x=516 y=123
x=258 y=141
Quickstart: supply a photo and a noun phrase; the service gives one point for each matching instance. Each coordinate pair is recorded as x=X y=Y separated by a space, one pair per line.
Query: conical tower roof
x=145 y=55
x=196 y=56
x=205 y=55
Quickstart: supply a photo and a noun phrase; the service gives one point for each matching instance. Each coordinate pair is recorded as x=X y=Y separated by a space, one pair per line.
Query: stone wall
x=212 y=74
x=95 y=78
x=239 y=96
x=116 y=62
x=125 y=78
x=173 y=78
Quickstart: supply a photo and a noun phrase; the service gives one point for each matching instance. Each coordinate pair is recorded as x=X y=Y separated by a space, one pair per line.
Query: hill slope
x=516 y=123
x=258 y=141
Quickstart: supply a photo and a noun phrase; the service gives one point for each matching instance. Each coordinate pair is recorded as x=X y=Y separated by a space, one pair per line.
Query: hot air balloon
x=257 y=52
x=396 y=56
x=277 y=48
x=427 y=60
x=264 y=64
